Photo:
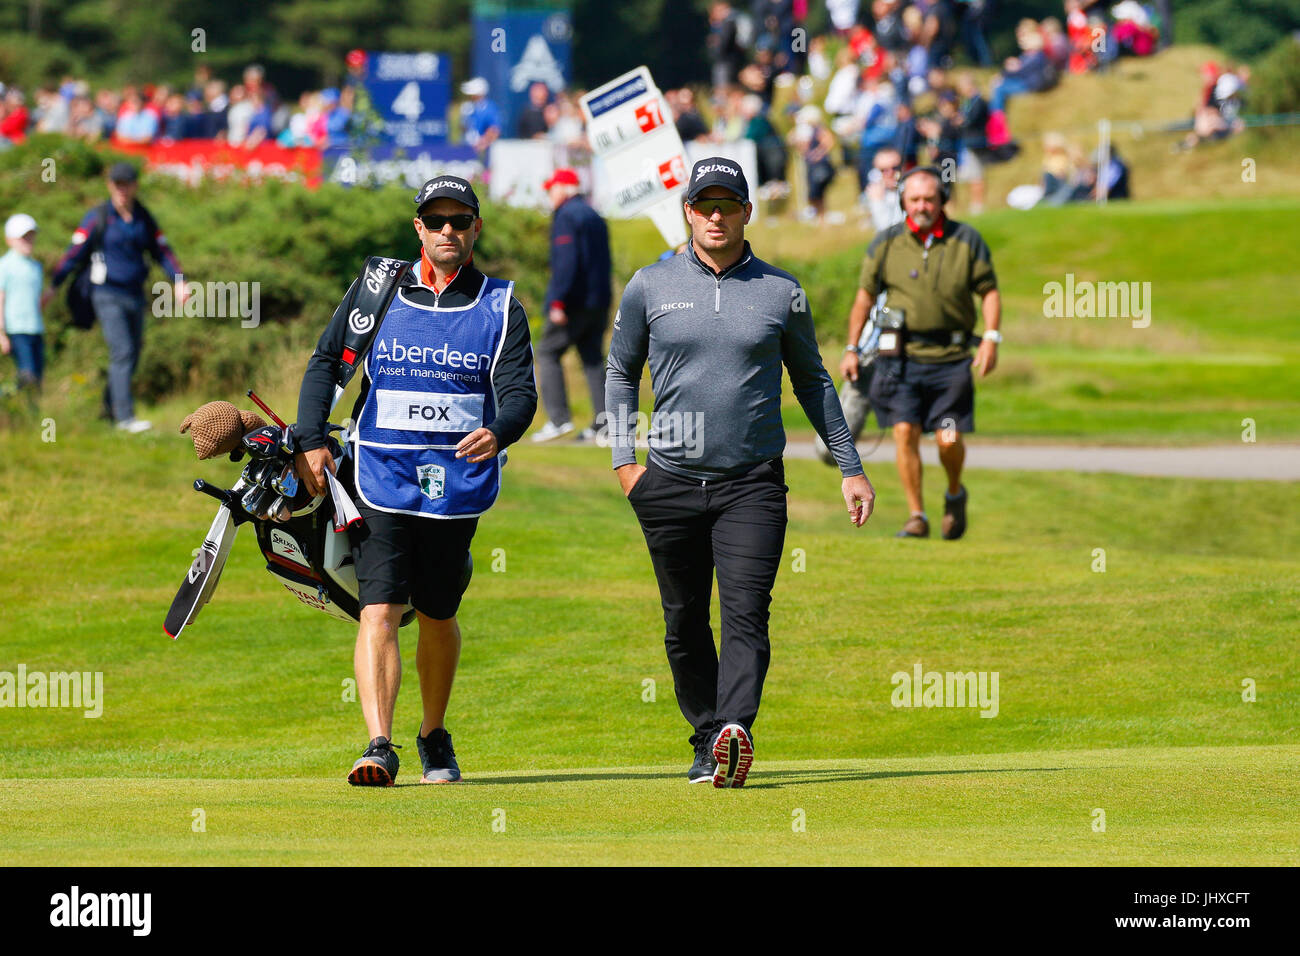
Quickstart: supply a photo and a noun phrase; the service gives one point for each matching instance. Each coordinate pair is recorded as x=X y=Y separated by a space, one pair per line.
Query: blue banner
x=513 y=50
x=380 y=165
x=411 y=92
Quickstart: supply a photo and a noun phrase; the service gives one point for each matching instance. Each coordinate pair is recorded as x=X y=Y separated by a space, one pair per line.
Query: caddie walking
x=447 y=385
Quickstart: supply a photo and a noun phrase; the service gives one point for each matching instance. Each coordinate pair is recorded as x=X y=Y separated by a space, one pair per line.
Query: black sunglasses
x=707 y=207
x=460 y=222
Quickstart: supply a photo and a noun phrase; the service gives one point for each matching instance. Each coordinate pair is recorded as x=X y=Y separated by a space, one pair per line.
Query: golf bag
x=306 y=544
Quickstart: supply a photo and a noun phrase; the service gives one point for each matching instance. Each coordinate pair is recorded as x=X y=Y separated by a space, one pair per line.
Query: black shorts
x=937 y=396
x=404 y=558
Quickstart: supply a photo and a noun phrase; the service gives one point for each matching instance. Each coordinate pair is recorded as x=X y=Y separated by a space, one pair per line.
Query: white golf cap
x=475 y=87
x=19 y=225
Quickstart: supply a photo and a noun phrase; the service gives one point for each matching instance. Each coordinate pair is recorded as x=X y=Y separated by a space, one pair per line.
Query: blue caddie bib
x=430 y=375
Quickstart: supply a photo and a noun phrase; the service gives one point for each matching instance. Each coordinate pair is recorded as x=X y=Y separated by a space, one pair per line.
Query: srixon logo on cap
x=716 y=168
x=440 y=184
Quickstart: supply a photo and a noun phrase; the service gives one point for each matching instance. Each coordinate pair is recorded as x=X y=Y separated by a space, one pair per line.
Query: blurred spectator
x=729 y=34
x=815 y=143
x=202 y=77
x=1086 y=37
x=135 y=124
x=768 y=146
x=906 y=139
x=1056 y=44
x=939 y=30
x=13 y=116
x=1109 y=171
x=819 y=64
x=973 y=17
x=238 y=115
x=774 y=24
x=1063 y=172
x=1216 y=115
x=567 y=131
x=1031 y=72
x=195 y=123
x=1132 y=32
x=260 y=123
x=480 y=122
x=891 y=32
x=306 y=127
x=171 y=120
x=878 y=108
x=728 y=123
x=51 y=114
x=532 y=121
x=107 y=103
x=338 y=113
x=690 y=125
x=917 y=59
x=881 y=193
x=870 y=54
x=215 y=104
x=84 y=121
x=843 y=14
x=22 y=330
x=843 y=87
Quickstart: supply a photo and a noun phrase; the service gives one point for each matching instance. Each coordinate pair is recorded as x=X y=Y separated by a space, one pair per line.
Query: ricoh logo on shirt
x=715 y=168
x=391 y=350
x=673 y=306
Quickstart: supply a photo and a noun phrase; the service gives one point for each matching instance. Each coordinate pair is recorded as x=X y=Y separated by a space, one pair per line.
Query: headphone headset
x=945 y=190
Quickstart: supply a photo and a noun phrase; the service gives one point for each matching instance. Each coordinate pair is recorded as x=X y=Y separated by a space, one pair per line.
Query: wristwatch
x=993 y=335
x=852 y=348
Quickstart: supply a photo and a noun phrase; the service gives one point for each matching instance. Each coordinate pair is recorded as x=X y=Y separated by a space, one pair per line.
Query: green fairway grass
x=1232 y=805
x=1120 y=690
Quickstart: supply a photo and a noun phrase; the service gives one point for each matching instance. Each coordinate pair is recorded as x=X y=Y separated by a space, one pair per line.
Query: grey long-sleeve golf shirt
x=716 y=344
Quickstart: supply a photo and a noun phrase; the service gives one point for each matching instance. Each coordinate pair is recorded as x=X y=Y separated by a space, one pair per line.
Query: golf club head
x=263 y=442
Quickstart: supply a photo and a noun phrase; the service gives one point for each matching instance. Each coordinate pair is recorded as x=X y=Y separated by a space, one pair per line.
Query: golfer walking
x=447 y=385
x=716 y=325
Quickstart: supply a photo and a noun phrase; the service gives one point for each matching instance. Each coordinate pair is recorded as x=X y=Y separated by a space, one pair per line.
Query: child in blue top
x=21 y=278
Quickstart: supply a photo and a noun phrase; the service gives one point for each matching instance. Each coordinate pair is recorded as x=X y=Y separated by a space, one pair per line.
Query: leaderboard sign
x=411 y=92
x=642 y=165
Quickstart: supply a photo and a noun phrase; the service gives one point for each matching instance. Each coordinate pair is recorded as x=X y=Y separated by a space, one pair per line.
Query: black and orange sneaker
x=734 y=751
x=377 y=766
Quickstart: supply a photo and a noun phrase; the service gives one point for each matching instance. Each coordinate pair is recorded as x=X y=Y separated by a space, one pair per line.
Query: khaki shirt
x=933 y=286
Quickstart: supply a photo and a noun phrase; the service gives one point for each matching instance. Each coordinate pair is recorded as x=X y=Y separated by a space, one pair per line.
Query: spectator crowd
x=887 y=77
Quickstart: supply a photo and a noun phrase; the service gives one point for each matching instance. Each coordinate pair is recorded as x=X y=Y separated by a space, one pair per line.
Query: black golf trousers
x=736 y=525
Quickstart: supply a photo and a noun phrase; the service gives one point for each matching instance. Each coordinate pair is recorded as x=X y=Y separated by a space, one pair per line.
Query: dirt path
x=1240 y=461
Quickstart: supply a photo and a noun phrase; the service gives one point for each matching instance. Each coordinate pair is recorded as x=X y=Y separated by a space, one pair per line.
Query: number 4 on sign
x=408 y=102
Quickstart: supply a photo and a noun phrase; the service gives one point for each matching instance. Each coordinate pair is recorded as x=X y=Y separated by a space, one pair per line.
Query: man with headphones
x=921 y=275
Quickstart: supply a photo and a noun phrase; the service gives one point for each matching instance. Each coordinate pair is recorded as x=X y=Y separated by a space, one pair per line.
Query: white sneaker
x=134 y=426
x=551 y=431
